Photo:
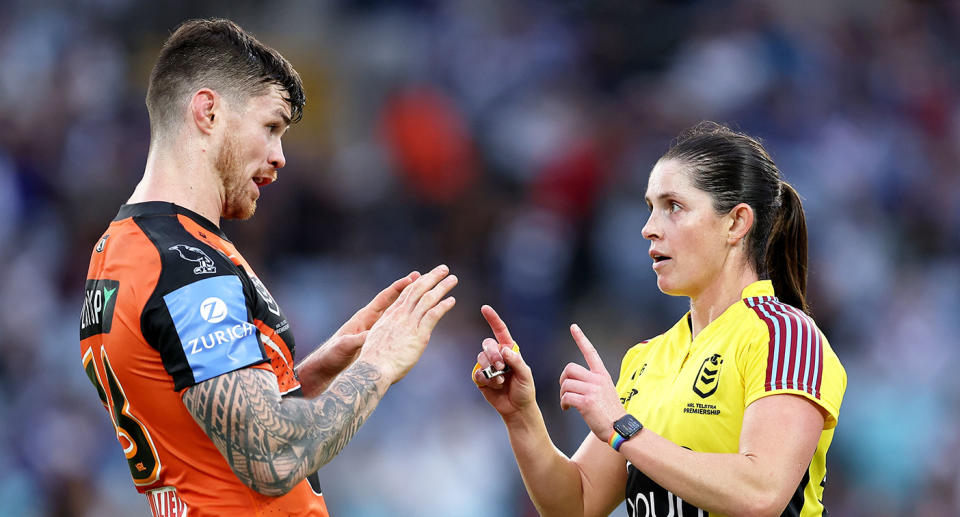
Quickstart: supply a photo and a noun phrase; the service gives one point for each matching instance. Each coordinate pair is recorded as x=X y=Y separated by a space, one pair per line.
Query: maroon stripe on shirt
x=795 y=343
x=815 y=354
x=754 y=303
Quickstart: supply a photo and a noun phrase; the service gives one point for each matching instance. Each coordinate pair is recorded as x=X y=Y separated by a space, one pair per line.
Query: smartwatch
x=623 y=429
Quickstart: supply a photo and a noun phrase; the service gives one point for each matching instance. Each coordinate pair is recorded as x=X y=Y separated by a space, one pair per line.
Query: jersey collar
x=684 y=327
x=758 y=288
x=165 y=208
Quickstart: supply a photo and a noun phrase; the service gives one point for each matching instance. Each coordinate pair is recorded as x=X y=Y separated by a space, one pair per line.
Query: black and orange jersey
x=694 y=390
x=170 y=303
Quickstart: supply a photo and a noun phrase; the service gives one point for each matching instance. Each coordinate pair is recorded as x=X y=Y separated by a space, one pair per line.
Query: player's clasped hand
x=342 y=349
x=514 y=391
x=400 y=335
x=590 y=390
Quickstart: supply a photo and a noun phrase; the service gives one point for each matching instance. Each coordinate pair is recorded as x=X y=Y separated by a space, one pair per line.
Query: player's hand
x=363 y=319
x=590 y=390
x=318 y=370
x=513 y=391
x=399 y=336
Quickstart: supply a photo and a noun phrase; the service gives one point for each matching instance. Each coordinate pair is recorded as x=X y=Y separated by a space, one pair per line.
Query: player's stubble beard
x=237 y=203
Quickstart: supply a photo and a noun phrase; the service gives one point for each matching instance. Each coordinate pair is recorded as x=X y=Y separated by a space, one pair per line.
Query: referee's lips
x=659 y=258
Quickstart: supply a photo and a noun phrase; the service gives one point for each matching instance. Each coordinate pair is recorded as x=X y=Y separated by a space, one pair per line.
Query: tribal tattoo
x=273 y=443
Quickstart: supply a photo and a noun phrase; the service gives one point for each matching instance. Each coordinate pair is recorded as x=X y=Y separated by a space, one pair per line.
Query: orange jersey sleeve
x=169 y=303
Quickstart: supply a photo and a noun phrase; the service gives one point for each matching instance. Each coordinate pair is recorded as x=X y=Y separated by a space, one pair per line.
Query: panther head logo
x=189 y=253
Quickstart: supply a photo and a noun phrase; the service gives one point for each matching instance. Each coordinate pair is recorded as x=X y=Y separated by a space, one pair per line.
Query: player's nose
x=276 y=158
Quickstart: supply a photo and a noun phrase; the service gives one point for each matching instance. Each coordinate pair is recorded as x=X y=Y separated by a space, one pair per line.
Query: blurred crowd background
x=512 y=141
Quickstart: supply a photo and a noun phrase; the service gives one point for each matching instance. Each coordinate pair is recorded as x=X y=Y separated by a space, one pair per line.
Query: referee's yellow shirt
x=694 y=391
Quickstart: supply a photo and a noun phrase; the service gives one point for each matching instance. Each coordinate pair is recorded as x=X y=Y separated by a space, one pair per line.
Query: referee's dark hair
x=735 y=168
x=216 y=54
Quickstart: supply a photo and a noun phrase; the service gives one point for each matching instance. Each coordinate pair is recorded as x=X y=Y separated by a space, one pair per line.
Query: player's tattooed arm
x=273 y=443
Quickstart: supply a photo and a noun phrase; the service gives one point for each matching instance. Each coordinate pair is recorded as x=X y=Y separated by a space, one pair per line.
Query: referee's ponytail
x=734 y=168
x=786 y=255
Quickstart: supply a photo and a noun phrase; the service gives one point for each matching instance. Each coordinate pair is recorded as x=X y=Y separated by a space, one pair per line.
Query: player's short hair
x=216 y=54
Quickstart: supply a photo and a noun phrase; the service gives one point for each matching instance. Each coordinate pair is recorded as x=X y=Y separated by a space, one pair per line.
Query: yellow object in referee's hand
x=489 y=372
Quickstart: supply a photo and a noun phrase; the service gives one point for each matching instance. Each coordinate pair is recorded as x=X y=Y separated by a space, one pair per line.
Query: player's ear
x=204 y=107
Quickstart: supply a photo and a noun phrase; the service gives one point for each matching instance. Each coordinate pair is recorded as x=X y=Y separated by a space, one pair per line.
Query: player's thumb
x=351 y=343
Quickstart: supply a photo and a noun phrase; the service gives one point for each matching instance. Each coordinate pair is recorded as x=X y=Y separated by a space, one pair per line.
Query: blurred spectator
x=511 y=140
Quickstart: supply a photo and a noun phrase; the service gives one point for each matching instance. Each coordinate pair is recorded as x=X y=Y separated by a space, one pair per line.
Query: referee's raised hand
x=590 y=390
x=513 y=391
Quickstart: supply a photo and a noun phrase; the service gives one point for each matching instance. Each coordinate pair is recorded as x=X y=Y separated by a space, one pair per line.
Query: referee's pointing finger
x=587 y=349
x=497 y=325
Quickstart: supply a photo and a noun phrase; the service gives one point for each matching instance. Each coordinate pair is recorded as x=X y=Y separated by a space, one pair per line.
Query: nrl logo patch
x=191 y=254
x=708 y=377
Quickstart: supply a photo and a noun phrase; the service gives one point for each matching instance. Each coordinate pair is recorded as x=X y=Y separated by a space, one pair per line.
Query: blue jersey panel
x=210 y=316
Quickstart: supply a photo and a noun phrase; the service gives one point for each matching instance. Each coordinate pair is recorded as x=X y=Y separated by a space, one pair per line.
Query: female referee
x=731 y=411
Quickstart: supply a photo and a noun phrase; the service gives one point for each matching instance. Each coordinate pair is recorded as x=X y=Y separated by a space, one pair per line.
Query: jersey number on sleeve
x=133 y=436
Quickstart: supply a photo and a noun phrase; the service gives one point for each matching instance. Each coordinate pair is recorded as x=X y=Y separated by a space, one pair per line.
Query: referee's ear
x=740 y=221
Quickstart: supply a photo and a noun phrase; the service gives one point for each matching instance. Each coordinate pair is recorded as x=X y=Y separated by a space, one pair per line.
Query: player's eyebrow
x=286 y=118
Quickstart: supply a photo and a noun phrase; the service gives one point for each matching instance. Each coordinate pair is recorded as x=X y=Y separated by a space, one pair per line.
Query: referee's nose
x=650 y=230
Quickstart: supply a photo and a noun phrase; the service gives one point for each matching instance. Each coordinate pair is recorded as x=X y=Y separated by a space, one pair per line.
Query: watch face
x=627 y=426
